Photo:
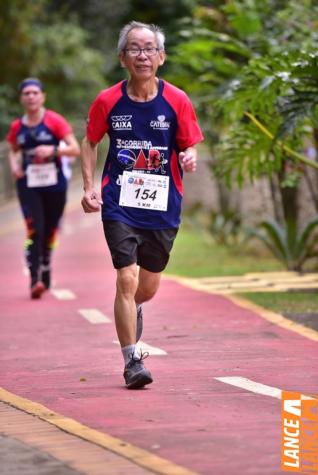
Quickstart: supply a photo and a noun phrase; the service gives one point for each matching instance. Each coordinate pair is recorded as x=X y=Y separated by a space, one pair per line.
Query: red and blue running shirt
x=145 y=137
x=50 y=131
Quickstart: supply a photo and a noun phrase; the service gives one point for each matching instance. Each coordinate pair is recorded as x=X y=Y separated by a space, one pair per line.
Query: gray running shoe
x=135 y=374
x=139 y=324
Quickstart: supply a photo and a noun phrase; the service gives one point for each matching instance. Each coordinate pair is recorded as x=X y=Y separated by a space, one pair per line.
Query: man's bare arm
x=91 y=200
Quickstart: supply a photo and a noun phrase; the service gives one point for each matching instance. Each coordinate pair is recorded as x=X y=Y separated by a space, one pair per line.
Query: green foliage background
x=249 y=65
x=256 y=56
x=71 y=46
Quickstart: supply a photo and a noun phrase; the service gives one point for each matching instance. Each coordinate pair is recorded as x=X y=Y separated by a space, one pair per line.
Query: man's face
x=32 y=98
x=142 y=66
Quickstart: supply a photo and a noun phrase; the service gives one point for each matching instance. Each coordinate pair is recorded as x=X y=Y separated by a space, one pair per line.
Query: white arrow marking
x=258 y=388
x=93 y=315
x=252 y=386
x=63 y=294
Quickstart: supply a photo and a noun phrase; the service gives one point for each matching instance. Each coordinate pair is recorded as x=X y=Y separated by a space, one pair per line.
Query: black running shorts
x=148 y=248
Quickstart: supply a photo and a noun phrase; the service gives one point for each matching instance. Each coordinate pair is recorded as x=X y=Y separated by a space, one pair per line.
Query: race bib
x=41 y=175
x=145 y=191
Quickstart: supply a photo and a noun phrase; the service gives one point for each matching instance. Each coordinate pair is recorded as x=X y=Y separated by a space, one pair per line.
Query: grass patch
x=195 y=255
x=285 y=302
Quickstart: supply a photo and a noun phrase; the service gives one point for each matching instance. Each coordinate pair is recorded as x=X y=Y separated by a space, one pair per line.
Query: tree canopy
x=71 y=46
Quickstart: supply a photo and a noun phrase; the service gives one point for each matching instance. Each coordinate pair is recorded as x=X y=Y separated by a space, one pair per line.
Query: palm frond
x=307 y=238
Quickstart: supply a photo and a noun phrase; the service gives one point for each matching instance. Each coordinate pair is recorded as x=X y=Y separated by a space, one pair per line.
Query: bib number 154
x=145 y=194
x=142 y=190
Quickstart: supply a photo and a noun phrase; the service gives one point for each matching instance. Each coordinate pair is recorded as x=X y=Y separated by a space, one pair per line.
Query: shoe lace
x=143 y=356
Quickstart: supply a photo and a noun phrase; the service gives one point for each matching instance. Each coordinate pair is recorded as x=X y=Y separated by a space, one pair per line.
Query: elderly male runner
x=153 y=131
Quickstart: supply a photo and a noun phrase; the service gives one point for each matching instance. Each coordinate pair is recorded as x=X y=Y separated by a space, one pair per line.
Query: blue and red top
x=50 y=131
x=144 y=136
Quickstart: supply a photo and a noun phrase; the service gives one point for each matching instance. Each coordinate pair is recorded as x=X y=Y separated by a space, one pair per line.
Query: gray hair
x=122 y=42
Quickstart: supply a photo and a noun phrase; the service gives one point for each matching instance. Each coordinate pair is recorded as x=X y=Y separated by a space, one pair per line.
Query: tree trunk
x=276 y=201
x=289 y=196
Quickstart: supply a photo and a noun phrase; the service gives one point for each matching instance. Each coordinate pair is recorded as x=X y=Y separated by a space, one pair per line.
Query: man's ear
x=162 y=57
x=121 y=57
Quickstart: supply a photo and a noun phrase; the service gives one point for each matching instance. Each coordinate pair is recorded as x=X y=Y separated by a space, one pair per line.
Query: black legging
x=42 y=211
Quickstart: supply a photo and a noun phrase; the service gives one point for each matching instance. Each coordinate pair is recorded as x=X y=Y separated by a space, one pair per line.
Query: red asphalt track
x=185 y=416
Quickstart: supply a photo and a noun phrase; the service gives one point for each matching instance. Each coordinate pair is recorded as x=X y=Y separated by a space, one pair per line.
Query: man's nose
x=142 y=54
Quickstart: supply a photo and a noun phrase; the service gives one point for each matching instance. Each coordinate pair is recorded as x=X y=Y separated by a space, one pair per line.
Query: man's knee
x=127 y=280
x=148 y=285
x=147 y=293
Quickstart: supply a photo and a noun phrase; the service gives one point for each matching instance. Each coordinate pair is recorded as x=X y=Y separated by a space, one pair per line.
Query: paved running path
x=52 y=355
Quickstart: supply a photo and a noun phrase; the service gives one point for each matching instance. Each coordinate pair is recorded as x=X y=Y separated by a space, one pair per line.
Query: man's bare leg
x=125 y=307
x=148 y=284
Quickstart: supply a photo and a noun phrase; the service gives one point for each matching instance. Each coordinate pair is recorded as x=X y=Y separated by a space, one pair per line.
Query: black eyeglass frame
x=141 y=50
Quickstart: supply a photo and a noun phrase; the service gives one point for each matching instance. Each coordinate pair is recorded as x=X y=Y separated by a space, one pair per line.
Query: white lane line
x=253 y=386
x=86 y=223
x=93 y=315
x=152 y=350
x=63 y=294
x=69 y=229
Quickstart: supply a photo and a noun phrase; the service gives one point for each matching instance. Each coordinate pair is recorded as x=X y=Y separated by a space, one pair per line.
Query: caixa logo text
x=121 y=122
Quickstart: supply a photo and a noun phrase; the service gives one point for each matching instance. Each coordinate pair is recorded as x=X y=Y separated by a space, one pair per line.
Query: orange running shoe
x=37 y=290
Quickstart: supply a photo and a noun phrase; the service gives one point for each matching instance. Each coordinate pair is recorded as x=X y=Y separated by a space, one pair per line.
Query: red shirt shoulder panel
x=188 y=131
x=57 y=124
x=174 y=95
x=13 y=132
x=98 y=113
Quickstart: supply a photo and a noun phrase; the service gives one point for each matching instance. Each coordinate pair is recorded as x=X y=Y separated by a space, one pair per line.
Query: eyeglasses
x=134 y=52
